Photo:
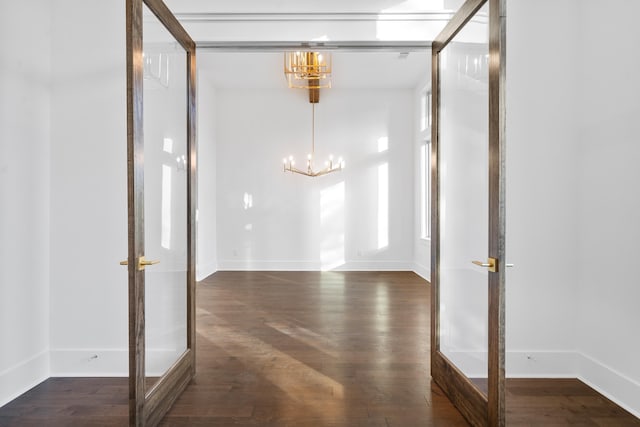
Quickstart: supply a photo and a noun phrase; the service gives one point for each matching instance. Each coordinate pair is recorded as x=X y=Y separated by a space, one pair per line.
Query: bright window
x=424 y=143
x=425 y=111
x=425 y=189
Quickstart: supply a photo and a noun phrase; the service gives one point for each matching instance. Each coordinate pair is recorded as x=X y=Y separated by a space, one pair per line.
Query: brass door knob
x=142 y=262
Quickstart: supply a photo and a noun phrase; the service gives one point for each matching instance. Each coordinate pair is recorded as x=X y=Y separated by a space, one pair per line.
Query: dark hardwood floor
x=311 y=349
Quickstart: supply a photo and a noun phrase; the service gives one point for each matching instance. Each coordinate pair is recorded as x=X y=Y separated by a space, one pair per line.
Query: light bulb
x=284 y=160
x=309 y=156
x=330 y=156
x=290 y=158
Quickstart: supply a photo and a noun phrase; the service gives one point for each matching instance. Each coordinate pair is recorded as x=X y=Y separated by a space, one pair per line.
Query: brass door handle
x=142 y=262
x=491 y=264
x=481 y=264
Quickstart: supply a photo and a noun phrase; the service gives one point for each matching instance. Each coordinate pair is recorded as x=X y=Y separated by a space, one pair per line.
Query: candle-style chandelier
x=308 y=70
x=329 y=165
x=311 y=71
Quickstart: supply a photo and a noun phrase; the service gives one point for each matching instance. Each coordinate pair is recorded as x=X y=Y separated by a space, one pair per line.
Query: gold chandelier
x=308 y=70
x=329 y=165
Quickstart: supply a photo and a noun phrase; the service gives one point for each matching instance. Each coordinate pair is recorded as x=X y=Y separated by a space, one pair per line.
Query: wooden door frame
x=478 y=409
x=148 y=407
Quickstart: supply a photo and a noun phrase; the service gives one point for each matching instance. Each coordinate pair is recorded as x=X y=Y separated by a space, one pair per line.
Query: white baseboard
x=375 y=266
x=247 y=265
x=23 y=377
x=205 y=270
x=472 y=363
x=610 y=383
x=422 y=271
x=520 y=364
x=541 y=364
x=106 y=362
x=89 y=363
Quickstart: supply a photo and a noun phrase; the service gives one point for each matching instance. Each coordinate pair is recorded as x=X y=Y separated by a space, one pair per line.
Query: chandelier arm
x=301 y=172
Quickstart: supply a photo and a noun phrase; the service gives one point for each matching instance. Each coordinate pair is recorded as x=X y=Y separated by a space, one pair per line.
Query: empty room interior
x=364 y=213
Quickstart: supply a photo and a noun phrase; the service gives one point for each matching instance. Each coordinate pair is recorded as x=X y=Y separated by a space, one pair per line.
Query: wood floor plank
x=335 y=349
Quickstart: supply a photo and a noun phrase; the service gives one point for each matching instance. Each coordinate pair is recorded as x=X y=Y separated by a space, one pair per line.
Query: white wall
x=25 y=31
x=64 y=109
x=88 y=189
x=608 y=198
x=207 y=257
x=572 y=208
x=354 y=219
x=541 y=184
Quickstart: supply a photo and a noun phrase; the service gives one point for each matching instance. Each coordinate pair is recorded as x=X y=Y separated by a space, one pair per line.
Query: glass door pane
x=464 y=207
x=165 y=197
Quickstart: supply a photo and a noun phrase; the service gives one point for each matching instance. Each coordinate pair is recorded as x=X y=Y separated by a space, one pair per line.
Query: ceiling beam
x=256 y=46
x=206 y=17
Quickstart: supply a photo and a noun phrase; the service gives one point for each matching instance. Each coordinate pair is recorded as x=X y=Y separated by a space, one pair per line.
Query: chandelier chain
x=313 y=129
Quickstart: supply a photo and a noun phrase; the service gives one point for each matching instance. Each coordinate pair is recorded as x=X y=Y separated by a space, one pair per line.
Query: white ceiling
x=310 y=6
x=352 y=20
x=351 y=70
